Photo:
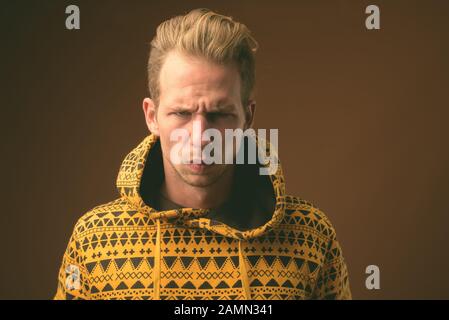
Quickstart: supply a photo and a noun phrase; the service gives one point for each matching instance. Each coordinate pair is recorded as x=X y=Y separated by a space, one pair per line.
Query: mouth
x=199 y=167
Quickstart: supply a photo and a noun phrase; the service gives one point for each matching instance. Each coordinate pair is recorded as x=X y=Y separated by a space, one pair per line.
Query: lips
x=199 y=168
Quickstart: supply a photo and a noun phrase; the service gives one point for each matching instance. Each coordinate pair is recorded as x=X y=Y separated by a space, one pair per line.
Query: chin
x=201 y=178
x=202 y=181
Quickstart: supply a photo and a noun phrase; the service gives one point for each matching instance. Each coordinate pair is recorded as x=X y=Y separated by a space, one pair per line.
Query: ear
x=250 y=111
x=150 y=111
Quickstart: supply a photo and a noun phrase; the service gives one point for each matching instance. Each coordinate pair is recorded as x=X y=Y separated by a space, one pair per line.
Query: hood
x=129 y=182
x=143 y=166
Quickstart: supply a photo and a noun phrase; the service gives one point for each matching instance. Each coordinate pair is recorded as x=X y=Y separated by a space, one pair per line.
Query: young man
x=191 y=230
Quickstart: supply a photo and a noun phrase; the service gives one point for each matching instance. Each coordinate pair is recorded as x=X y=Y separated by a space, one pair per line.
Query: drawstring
x=244 y=273
x=157 y=263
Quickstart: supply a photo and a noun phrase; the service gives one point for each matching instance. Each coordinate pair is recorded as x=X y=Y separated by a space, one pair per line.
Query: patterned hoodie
x=127 y=249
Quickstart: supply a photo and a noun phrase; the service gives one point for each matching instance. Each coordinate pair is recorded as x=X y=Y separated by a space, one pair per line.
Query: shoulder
x=309 y=216
x=111 y=213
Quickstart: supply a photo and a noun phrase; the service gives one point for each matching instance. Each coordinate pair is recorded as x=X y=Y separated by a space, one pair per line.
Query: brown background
x=362 y=118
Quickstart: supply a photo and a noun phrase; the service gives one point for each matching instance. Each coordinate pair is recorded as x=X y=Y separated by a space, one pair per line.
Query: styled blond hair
x=204 y=33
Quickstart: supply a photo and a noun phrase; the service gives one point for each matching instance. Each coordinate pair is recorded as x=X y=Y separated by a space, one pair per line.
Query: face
x=196 y=91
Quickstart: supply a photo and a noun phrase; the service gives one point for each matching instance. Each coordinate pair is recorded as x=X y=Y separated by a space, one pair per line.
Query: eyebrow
x=219 y=108
x=223 y=107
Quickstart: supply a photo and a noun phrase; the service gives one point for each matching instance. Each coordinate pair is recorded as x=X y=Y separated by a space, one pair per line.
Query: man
x=192 y=230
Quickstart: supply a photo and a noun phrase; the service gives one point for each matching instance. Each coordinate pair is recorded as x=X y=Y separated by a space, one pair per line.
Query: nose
x=199 y=125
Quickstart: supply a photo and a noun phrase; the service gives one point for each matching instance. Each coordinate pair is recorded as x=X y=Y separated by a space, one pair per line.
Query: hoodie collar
x=129 y=182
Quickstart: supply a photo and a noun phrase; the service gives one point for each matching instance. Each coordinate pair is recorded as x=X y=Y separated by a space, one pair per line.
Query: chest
x=198 y=264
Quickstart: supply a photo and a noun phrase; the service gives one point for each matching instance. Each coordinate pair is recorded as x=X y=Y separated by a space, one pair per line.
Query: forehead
x=185 y=77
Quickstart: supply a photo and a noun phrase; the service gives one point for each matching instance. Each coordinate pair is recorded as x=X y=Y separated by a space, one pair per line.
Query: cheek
x=234 y=122
x=166 y=146
x=164 y=133
x=166 y=127
x=240 y=119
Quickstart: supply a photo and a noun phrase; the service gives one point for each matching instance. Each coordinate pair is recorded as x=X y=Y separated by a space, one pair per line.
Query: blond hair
x=204 y=33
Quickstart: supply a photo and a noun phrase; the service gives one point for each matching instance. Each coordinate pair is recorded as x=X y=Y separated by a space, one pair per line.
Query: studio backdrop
x=362 y=117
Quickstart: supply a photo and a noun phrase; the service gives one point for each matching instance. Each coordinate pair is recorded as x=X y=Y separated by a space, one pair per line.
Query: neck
x=189 y=196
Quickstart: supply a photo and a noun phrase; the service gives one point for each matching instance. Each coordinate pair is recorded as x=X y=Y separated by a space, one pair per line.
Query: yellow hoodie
x=126 y=249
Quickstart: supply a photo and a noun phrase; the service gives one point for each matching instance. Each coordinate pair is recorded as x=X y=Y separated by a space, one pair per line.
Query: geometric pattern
x=125 y=249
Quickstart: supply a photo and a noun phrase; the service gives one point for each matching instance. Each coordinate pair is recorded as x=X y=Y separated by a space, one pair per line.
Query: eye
x=182 y=114
x=213 y=116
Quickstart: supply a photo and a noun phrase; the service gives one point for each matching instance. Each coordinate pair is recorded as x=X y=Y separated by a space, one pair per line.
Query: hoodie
x=262 y=244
